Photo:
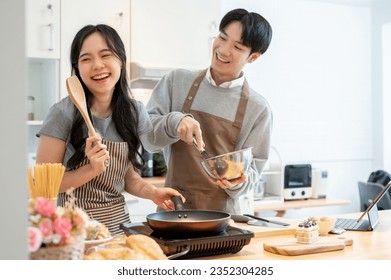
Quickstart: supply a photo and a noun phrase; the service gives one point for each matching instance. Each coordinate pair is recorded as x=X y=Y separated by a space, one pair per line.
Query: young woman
x=100 y=167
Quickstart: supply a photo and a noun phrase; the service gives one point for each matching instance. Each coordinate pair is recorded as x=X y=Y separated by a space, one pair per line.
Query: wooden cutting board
x=288 y=246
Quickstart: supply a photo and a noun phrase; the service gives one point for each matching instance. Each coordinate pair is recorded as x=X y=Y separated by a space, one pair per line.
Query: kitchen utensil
x=228 y=166
x=204 y=154
x=90 y=244
x=231 y=240
x=252 y=222
x=76 y=93
x=220 y=167
x=180 y=221
x=266 y=220
x=288 y=246
x=257 y=222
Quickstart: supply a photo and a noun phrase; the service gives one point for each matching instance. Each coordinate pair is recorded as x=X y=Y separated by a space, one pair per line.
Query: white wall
x=318 y=80
x=13 y=140
x=386 y=50
x=381 y=38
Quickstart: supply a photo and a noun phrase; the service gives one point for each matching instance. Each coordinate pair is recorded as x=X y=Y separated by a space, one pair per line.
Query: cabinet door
x=175 y=33
x=43 y=28
x=75 y=14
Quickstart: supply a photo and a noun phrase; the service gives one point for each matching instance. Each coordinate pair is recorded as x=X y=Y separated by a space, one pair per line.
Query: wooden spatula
x=76 y=93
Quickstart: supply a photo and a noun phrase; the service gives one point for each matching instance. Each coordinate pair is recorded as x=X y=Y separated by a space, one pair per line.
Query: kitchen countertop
x=367 y=245
x=371 y=245
x=279 y=206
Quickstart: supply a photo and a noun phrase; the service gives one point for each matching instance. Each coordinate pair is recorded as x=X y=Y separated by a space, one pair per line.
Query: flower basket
x=68 y=252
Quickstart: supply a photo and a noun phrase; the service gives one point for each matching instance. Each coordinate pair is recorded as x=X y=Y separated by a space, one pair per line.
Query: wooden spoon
x=76 y=93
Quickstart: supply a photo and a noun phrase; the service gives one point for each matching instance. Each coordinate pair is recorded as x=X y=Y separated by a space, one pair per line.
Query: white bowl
x=325 y=225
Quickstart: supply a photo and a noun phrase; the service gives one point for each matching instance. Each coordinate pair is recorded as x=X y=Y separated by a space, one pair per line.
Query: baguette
x=115 y=253
x=145 y=245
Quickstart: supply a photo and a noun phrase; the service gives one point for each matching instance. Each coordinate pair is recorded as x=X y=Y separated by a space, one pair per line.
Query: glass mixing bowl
x=228 y=166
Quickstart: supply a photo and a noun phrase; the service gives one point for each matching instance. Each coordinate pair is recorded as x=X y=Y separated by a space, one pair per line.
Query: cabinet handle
x=51 y=37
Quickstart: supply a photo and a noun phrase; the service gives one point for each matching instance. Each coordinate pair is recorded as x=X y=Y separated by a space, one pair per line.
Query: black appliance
x=232 y=240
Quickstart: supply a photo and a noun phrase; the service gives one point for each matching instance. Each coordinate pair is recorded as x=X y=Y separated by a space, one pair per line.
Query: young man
x=218 y=109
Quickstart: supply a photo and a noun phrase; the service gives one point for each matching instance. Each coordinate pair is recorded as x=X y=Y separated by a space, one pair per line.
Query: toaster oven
x=297 y=181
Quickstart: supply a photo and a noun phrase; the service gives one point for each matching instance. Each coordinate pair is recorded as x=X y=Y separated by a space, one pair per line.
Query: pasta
x=45 y=179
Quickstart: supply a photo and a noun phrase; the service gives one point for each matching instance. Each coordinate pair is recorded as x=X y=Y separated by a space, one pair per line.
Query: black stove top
x=181 y=246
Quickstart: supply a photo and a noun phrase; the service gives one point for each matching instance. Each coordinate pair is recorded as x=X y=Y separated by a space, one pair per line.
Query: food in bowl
x=96 y=231
x=228 y=166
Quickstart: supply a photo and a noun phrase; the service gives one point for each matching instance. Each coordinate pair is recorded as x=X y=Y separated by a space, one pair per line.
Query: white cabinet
x=43 y=87
x=75 y=14
x=43 y=28
x=43 y=53
x=173 y=33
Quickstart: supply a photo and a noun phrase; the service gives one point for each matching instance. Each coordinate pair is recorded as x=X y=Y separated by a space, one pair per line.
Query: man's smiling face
x=229 y=54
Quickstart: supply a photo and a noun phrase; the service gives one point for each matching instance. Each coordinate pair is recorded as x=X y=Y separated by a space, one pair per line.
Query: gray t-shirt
x=58 y=124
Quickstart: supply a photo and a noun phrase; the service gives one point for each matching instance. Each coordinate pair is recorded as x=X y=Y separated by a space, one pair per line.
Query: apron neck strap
x=193 y=92
x=242 y=105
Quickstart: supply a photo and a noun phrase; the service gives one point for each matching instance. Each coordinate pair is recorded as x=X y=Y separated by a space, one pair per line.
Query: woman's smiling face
x=229 y=54
x=99 y=68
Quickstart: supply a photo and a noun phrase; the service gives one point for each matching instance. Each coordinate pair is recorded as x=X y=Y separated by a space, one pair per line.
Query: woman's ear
x=253 y=57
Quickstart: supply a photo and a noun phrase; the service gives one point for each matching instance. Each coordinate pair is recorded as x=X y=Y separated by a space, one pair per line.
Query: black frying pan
x=188 y=221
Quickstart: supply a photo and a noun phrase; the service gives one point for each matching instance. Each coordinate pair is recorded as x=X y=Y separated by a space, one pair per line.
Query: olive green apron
x=185 y=172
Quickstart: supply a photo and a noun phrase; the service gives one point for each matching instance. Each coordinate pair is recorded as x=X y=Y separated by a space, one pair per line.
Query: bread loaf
x=115 y=253
x=145 y=245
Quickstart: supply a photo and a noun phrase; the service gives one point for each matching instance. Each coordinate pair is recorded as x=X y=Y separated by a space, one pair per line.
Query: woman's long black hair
x=124 y=109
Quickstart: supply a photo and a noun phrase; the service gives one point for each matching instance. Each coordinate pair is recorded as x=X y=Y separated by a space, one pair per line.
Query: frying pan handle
x=178 y=203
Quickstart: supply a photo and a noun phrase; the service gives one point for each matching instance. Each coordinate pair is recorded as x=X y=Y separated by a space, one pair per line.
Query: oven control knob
x=293 y=193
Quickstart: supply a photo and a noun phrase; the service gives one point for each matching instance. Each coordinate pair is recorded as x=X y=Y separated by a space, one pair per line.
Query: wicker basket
x=69 y=252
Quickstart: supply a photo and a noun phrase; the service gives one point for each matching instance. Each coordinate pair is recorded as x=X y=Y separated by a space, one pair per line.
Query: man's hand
x=225 y=184
x=188 y=129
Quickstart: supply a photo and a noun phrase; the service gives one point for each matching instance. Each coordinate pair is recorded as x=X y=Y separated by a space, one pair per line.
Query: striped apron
x=102 y=197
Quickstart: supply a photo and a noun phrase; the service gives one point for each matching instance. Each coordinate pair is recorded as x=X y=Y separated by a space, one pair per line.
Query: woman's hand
x=162 y=198
x=97 y=154
x=225 y=184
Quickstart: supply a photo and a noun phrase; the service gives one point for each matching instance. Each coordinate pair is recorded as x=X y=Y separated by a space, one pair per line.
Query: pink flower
x=46 y=228
x=45 y=207
x=63 y=226
x=35 y=239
